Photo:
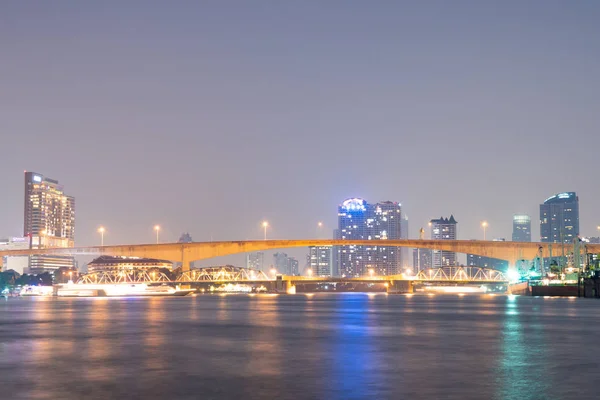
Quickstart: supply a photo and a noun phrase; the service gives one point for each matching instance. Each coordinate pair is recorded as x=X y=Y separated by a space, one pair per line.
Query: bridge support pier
x=399 y=287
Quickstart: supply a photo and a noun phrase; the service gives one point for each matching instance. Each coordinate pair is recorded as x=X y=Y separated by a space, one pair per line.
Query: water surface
x=321 y=346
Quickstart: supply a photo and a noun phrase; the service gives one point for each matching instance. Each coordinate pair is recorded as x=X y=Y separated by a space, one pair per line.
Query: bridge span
x=237 y=275
x=189 y=252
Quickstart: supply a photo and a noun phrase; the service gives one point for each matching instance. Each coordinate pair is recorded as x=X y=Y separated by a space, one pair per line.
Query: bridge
x=236 y=275
x=189 y=252
x=231 y=274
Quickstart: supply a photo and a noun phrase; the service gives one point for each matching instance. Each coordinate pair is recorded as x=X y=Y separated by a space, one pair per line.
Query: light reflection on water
x=345 y=346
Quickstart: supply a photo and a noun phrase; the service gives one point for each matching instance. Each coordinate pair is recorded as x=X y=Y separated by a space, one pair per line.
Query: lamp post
x=265 y=225
x=309 y=272
x=101 y=230
x=157 y=229
x=484 y=225
x=319 y=229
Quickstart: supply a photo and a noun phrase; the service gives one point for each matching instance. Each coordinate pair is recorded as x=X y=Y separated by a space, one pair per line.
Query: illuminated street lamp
x=309 y=272
x=273 y=271
x=371 y=272
x=484 y=225
x=157 y=229
x=265 y=225
x=101 y=230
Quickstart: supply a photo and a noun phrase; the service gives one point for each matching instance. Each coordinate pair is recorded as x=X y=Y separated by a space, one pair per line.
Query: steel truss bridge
x=231 y=274
x=461 y=274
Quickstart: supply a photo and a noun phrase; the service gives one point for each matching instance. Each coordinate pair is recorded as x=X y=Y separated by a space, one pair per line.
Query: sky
x=210 y=117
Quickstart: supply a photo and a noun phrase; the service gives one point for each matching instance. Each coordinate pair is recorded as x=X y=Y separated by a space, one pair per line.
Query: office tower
x=352 y=225
x=256 y=261
x=281 y=263
x=49 y=221
x=559 y=218
x=285 y=265
x=443 y=229
x=422 y=259
x=521 y=228
x=378 y=222
x=320 y=260
x=293 y=266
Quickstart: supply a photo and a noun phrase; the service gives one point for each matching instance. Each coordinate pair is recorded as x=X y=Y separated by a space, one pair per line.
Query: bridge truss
x=461 y=274
x=129 y=276
x=230 y=273
x=227 y=273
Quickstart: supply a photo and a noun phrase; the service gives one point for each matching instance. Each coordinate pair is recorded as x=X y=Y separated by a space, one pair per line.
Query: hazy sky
x=210 y=116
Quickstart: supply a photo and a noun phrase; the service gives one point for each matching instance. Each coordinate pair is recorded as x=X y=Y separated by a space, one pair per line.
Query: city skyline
x=197 y=145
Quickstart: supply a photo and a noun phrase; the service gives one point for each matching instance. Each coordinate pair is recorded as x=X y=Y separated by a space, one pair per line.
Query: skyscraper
x=443 y=229
x=49 y=221
x=285 y=265
x=521 y=228
x=559 y=218
x=49 y=213
x=378 y=222
x=352 y=225
x=256 y=261
x=320 y=260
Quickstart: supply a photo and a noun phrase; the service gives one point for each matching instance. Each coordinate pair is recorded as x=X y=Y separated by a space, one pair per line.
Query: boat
x=36 y=291
x=118 y=290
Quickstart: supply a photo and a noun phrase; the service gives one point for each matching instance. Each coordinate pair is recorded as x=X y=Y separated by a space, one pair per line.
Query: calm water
x=344 y=346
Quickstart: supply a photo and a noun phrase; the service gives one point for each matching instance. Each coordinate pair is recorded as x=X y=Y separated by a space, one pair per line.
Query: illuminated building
x=49 y=221
x=521 y=228
x=559 y=218
x=285 y=265
x=110 y=263
x=320 y=260
x=18 y=264
x=378 y=222
x=256 y=261
x=422 y=259
x=443 y=229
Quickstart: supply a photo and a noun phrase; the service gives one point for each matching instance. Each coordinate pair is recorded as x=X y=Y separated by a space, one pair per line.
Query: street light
x=273 y=271
x=484 y=225
x=157 y=229
x=265 y=225
x=309 y=272
x=371 y=272
x=101 y=230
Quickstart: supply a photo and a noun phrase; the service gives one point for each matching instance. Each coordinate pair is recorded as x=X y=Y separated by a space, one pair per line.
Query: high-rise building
x=49 y=213
x=521 y=228
x=256 y=261
x=422 y=259
x=49 y=221
x=443 y=229
x=320 y=260
x=293 y=266
x=378 y=222
x=559 y=218
x=285 y=265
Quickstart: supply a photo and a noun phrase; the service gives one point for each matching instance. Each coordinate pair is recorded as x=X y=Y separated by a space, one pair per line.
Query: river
x=319 y=346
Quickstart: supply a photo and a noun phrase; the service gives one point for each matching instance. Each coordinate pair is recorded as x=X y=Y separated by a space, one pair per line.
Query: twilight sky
x=210 y=116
